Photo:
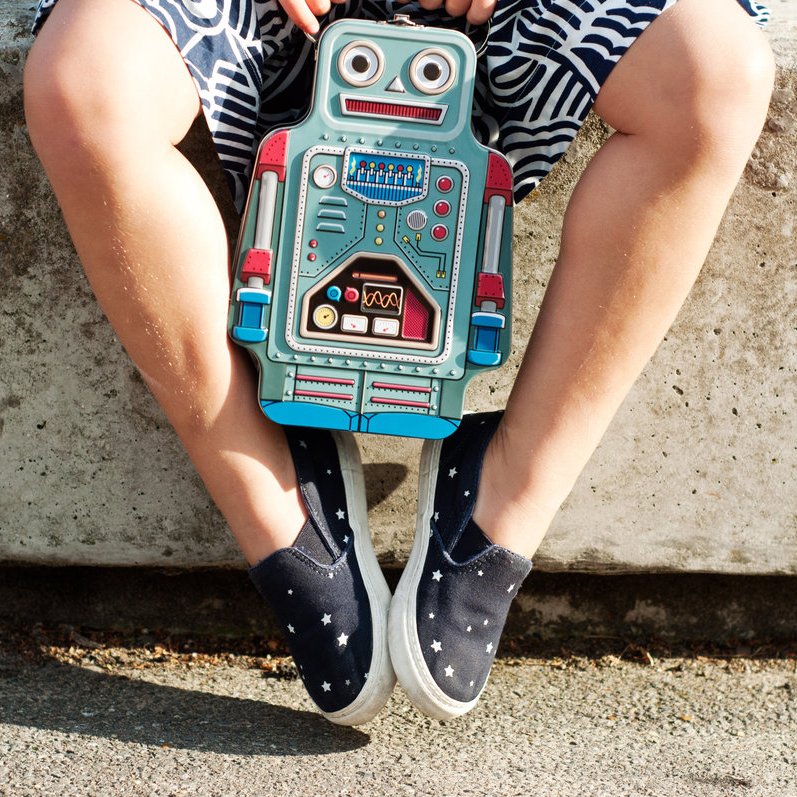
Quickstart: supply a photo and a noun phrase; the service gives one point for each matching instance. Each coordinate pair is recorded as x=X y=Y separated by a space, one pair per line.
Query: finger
x=300 y=14
x=319 y=7
x=480 y=11
x=430 y=5
x=456 y=8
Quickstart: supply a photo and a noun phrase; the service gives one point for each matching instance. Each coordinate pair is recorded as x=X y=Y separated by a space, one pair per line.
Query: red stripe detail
x=393 y=109
x=322 y=394
x=401 y=402
x=391 y=386
x=328 y=379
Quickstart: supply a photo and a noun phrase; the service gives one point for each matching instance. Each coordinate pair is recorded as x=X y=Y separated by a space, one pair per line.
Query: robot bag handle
x=404 y=20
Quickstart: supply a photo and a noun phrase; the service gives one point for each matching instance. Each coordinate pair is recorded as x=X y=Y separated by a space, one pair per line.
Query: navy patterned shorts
x=541 y=69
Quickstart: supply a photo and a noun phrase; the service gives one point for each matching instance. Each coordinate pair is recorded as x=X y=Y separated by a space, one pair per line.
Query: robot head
x=395 y=78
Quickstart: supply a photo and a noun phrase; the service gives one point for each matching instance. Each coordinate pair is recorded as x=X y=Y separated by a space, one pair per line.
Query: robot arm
x=256 y=268
x=487 y=322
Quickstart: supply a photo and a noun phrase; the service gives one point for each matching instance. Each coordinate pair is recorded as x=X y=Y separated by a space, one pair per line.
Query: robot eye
x=432 y=71
x=360 y=63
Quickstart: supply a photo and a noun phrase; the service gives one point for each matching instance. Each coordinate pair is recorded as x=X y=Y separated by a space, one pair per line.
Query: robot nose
x=396 y=85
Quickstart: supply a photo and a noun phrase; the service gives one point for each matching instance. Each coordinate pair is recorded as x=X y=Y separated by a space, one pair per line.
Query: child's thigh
x=107 y=67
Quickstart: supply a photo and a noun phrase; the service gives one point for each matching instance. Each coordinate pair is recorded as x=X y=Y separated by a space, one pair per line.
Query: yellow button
x=381 y=214
x=378 y=241
x=380 y=227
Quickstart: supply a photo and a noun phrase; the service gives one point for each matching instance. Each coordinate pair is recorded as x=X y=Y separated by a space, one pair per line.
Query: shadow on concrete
x=72 y=699
x=382 y=479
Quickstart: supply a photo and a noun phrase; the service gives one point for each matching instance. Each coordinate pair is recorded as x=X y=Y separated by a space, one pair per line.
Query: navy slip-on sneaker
x=327 y=590
x=452 y=600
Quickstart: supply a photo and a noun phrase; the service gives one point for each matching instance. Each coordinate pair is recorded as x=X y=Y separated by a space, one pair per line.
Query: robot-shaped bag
x=373 y=270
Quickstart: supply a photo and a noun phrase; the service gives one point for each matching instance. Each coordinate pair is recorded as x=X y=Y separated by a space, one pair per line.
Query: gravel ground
x=98 y=715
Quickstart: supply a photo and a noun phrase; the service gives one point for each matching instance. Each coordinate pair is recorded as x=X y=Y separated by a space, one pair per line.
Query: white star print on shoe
x=327 y=589
x=456 y=589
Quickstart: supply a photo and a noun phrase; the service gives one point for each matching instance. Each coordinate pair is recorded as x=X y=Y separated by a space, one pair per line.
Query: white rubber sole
x=381 y=677
x=405 y=649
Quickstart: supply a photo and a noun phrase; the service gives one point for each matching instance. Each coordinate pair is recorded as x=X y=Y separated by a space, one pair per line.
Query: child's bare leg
x=107 y=98
x=688 y=101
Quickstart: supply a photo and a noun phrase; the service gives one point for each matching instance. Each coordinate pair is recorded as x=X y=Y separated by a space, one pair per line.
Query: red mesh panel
x=415 y=325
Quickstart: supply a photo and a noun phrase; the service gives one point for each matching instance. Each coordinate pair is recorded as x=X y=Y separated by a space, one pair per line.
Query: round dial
x=324 y=176
x=325 y=316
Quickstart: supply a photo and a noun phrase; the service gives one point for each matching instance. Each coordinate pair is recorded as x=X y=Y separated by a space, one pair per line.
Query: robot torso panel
x=372 y=277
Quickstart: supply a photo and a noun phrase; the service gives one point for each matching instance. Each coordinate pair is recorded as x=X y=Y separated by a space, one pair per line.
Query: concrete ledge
x=696 y=474
x=679 y=607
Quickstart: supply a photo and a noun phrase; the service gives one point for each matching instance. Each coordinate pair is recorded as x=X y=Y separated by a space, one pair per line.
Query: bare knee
x=726 y=100
x=697 y=83
x=85 y=91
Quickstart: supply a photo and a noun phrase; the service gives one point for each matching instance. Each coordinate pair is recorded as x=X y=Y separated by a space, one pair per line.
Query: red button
x=351 y=294
x=314 y=243
x=444 y=184
x=439 y=232
x=311 y=256
x=442 y=208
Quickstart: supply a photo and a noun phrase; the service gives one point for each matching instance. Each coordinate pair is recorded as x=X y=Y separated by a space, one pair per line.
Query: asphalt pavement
x=88 y=717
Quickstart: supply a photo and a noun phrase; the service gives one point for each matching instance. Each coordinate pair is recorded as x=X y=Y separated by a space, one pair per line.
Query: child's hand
x=476 y=11
x=303 y=13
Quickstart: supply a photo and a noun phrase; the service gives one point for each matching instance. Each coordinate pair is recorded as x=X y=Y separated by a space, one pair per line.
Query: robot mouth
x=426 y=113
